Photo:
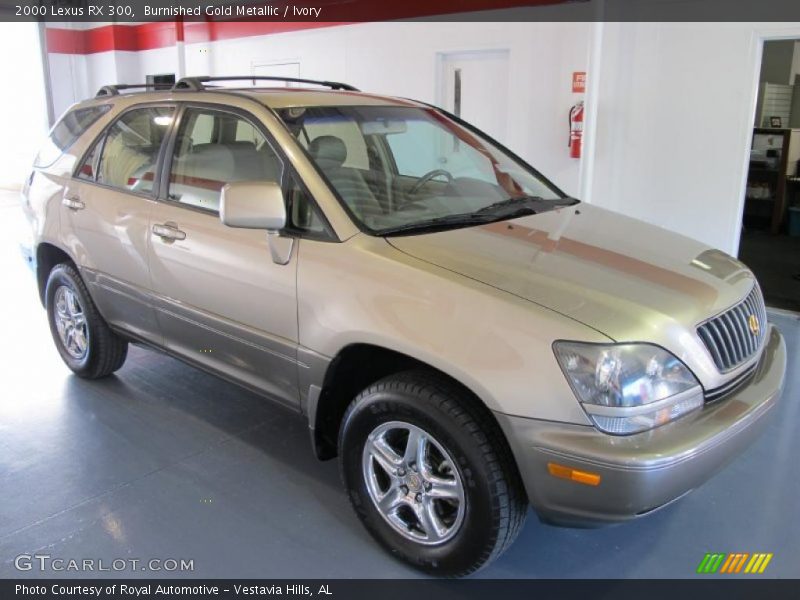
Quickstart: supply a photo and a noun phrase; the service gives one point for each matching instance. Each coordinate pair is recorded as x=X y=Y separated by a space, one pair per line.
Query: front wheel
x=430 y=475
x=83 y=338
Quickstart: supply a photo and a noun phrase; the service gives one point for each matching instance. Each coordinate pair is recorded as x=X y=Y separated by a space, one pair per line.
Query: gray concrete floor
x=163 y=461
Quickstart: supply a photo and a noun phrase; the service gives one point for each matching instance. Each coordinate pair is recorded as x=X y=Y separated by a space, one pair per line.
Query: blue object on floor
x=794 y=221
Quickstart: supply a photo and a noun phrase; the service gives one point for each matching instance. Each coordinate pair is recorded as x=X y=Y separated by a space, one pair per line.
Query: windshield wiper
x=440 y=223
x=504 y=209
x=524 y=205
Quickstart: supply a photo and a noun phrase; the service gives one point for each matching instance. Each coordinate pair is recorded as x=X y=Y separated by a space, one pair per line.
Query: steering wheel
x=427 y=177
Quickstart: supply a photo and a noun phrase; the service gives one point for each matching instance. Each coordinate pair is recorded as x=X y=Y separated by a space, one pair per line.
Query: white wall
x=388 y=58
x=400 y=59
x=675 y=109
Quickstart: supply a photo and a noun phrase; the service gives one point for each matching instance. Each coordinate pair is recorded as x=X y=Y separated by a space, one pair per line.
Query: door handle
x=73 y=203
x=169 y=232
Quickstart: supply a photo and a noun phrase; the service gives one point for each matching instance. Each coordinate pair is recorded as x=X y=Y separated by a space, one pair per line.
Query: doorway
x=473 y=85
x=24 y=108
x=770 y=239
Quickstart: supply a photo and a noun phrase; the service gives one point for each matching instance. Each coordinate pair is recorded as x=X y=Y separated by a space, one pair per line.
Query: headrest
x=328 y=151
x=209 y=161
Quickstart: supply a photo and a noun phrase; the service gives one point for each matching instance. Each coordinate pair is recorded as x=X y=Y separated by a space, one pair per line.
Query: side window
x=236 y=151
x=130 y=152
x=203 y=130
x=66 y=131
x=88 y=169
x=245 y=132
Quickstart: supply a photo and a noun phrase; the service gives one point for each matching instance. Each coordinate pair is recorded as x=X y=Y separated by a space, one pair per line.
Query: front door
x=221 y=301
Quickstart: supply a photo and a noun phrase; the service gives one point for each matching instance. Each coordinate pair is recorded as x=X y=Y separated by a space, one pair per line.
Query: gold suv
x=465 y=337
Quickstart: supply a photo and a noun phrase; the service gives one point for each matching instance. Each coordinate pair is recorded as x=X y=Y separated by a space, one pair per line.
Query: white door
x=474 y=86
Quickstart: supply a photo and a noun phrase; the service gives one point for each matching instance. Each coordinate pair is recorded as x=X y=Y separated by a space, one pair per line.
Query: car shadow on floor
x=177 y=410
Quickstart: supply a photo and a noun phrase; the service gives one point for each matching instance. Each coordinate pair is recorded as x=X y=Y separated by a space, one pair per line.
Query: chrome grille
x=730 y=338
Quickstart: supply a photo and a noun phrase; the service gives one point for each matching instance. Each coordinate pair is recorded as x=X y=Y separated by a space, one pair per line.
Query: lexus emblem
x=754 y=325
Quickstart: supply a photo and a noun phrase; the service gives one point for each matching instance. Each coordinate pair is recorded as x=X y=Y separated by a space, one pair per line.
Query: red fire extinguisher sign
x=576 y=130
x=578 y=82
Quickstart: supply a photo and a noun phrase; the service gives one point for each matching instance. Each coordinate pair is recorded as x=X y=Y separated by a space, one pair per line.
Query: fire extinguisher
x=576 y=130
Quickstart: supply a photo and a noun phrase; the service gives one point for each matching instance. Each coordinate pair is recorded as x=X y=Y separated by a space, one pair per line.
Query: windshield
x=404 y=169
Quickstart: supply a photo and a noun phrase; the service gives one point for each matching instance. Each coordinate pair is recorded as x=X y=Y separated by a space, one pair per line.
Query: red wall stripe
x=162 y=34
x=149 y=36
x=121 y=38
x=65 y=41
x=214 y=31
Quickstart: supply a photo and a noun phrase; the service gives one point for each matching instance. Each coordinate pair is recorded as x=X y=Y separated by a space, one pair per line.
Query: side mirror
x=253 y=205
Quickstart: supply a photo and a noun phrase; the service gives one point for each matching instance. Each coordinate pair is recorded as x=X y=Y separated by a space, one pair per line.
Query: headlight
x=628 y=388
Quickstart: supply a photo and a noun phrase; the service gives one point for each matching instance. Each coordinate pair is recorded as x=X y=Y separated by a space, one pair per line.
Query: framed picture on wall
x=775 y=122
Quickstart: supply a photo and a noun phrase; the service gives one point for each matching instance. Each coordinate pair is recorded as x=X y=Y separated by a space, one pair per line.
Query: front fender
x=364 y=291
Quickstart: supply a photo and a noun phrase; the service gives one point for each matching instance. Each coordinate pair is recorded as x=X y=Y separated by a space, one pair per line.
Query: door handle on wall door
x=73 y=203
x=169 y=232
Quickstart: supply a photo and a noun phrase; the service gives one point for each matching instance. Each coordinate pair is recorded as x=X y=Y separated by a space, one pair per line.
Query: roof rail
x=114 y=90
x=195 y=84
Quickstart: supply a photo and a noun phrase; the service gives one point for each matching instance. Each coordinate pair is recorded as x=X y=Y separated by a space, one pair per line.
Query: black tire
x=495 y=503
x=106 y=351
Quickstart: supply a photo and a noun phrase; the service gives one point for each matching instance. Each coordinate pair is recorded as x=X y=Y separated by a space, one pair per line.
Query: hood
x=625 y=278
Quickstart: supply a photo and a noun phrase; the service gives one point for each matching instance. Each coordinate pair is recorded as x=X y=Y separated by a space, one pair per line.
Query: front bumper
x=643 y=472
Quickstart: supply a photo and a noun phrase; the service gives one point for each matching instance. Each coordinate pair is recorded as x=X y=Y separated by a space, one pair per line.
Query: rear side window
x=89 y=166
x=130 y=151
x=66 y=131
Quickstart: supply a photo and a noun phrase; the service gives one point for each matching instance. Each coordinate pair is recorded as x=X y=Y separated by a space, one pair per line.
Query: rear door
x=221 y=301
x=107 y=209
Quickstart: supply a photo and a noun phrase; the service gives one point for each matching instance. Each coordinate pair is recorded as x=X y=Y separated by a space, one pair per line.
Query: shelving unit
x=767 y=185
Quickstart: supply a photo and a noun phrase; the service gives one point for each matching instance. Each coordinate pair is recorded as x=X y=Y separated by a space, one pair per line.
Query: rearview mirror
x=384 y=127
x=253 y=205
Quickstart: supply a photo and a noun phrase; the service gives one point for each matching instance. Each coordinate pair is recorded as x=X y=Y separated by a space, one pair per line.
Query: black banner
x=641 y=589
x=339 y=11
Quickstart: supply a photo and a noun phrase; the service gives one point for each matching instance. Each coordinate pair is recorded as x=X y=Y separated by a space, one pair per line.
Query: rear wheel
x=83 y=339
x=429 y=475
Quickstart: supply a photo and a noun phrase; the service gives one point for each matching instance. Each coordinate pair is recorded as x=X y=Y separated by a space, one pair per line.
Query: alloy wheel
x=70 y=321
x=413 y=482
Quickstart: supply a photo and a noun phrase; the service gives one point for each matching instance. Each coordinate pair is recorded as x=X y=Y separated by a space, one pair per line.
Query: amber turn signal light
x=563 y=472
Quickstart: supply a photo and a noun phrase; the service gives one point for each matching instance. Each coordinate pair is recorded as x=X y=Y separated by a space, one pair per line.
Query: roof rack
x=195 y=84
x=114 y=90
